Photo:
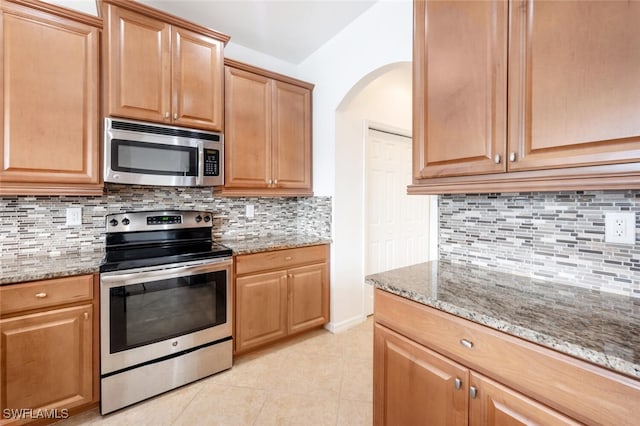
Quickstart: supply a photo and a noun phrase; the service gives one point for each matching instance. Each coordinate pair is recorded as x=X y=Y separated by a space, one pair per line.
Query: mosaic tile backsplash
x=551 y=236
x=35 y=226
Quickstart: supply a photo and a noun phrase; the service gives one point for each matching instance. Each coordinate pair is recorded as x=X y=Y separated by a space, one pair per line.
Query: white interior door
x=397 y=225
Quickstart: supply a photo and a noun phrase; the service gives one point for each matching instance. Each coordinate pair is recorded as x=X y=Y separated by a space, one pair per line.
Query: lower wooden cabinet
x=275 y=297
x=261 y=309
x=414 y=385
x=49 y=353
x=495 y=404
x=434 y=368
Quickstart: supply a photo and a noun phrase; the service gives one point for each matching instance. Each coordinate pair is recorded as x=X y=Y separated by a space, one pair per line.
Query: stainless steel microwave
x=143 y=153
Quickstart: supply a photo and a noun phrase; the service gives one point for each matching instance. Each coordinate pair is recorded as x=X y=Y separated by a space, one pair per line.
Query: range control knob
x=113 y=222
x=207 y=218
x=198 y=218
x=126 y=221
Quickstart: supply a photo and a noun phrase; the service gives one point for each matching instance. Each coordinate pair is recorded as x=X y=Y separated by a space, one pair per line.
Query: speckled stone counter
x=278 y=242
x=21 y=269
x=602 y=328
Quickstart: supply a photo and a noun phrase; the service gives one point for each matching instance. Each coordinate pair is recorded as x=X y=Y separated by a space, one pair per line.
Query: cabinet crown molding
x=62 y=12
x=166 y=17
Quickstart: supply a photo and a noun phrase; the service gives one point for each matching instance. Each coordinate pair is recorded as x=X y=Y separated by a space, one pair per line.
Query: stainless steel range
x=165 y=301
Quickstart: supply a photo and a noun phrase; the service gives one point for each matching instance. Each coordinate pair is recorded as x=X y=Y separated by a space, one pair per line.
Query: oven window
x=153 y=158
x=146 y=313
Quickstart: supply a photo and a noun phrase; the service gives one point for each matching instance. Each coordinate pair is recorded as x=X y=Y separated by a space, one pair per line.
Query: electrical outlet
x=249 y=211
x=620 y=228
x=74 y=216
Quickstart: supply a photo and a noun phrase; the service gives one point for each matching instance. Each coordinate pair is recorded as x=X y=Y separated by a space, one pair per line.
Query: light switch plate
x=620 y=228
x=249 y=211
x=74 y=216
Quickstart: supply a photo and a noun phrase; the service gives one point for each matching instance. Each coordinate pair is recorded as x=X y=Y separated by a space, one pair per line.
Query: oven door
x=155 y=312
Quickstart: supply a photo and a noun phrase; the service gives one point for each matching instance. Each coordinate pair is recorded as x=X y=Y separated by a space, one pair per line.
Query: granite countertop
x=277 y=242
x=22 y=269
x=599 y=327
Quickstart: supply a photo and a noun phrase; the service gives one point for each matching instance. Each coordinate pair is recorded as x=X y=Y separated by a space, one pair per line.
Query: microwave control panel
x=211 y=162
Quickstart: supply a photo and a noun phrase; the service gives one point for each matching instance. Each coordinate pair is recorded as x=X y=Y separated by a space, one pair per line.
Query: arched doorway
x=380 y=101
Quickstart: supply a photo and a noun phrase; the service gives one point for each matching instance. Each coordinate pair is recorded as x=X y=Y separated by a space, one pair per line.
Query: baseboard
x=337 y=327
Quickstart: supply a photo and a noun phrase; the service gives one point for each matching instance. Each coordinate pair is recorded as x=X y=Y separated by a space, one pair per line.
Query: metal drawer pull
x=512 y=157
x=458 y=383
x=41 y=295
x=466 y=343
x=473 y=392
x=288 y=258
x=86 y=316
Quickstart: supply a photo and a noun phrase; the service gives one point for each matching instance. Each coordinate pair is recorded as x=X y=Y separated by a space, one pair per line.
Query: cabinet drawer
x=46 y=293
x=281 y=259
x=585 y=392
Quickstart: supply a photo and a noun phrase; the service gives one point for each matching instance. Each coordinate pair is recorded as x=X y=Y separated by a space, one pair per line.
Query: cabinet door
x=198 y=74
x=247 y=129
x=308 y=297
x=497 y=405
x=413 y=385
x=49 y=110
x=46 y=359
x=460 y=82
x=261 y=309
x=574 y=92
x=291 y=136
x=138 y=66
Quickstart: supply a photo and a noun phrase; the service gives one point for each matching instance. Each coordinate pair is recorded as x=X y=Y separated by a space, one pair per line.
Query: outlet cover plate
x=74 y=216
x=620 y=228
x=249 y=211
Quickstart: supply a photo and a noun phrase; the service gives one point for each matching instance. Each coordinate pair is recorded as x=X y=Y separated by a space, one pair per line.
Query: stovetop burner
x=141 y=239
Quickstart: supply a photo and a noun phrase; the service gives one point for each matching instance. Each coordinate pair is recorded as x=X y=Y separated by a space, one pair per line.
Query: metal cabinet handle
x=86 y=315
x=457 y=383
x=497 y=159
x=270 y=182
x=175 y=115
x=473 y=392
x=512 y=156
x=41 y=295
x=466 y=343
x=288 y=258
x=275 y=181
x=166 y=114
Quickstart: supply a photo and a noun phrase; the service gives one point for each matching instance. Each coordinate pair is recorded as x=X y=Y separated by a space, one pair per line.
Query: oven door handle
x=114 y=279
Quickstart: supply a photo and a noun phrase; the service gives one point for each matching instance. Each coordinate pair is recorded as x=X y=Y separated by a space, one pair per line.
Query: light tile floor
x=315 y=379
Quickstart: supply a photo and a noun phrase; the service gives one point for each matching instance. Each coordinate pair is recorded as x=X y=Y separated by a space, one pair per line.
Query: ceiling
x=289 y=30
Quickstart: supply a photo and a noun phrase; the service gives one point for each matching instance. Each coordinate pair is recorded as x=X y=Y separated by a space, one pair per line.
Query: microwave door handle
x=200 y=177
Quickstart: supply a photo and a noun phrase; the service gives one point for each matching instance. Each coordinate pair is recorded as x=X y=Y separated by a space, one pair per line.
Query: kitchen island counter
x=598 y=327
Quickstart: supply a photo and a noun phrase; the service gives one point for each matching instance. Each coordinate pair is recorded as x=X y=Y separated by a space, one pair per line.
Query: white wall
x=382 y=35
x=253 y=57
x=379 y=37
x=386 y=102
x=86 y=6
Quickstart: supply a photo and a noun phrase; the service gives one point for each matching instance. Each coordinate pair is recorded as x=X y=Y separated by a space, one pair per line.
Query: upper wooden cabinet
x=267 y=133
x=49 y=115
x=526 y=95
x=162 y=69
